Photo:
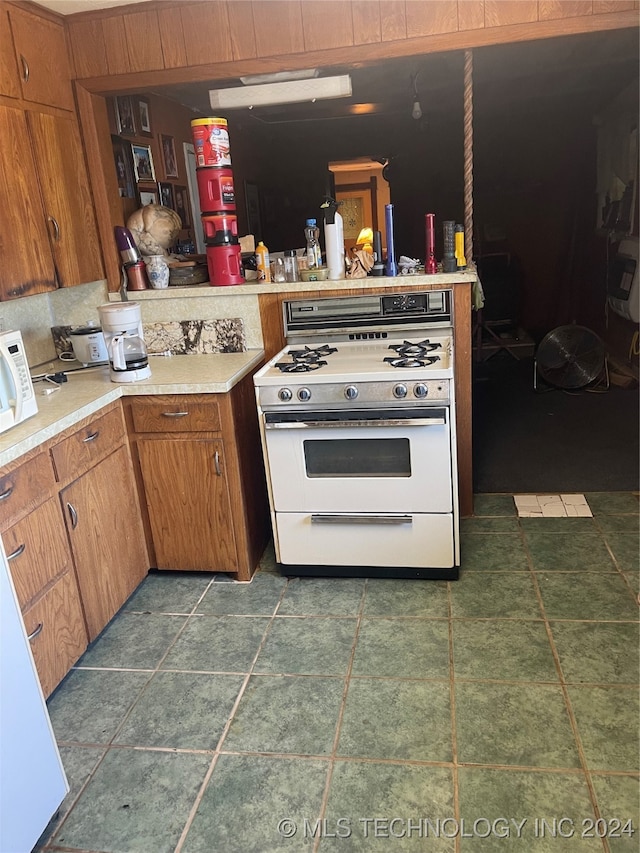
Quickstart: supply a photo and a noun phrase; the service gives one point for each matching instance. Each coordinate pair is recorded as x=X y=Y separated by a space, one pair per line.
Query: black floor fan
x=571 y=358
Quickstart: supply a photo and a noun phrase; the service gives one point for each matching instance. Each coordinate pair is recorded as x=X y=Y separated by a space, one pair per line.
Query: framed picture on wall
x=125 y=120
x=143 y=163
x=181 y=196
x=167 y=143
x=166 y=194
x=148 y=195
x=144 y=117
x=123 y=161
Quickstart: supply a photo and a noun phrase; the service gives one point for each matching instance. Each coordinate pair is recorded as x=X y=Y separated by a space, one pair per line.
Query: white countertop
x=88 y=391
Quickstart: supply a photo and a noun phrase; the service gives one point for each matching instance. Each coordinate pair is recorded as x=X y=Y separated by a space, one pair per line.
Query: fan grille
x=570 y=357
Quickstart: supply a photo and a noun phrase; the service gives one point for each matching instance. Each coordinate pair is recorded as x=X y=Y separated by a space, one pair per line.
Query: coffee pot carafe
x=122 y=329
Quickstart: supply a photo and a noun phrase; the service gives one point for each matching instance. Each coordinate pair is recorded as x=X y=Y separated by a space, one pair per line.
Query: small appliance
x=17 y=398
x=122 y=330
x=88 y=345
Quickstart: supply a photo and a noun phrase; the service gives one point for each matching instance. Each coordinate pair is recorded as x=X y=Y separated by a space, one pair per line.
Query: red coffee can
x=215 y=188
x=225 y=265
x=211 y=142
x=220 y=229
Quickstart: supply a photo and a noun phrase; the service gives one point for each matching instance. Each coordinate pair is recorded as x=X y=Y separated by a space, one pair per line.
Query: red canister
x=220 y=229
x=215 y=188
x=225 y=265
x=211 y=142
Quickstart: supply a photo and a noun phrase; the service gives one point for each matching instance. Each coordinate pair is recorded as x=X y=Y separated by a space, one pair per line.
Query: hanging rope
x=468 y=155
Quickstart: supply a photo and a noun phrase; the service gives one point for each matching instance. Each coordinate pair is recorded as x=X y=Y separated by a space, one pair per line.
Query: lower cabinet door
x=105 y=530
x=56 y=631
x=188 y=501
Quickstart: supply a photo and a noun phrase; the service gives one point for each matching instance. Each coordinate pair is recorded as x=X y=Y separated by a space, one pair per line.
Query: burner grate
x=299 y=366
x=411 y=361
x=303 y=360
x=417 y=350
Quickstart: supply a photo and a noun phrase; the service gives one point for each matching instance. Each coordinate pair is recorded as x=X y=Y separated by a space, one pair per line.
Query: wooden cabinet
x=102 y=516
x=200 y=468
x=9 y=82
x=46 y=210
x=41 y=53
x=39 y=558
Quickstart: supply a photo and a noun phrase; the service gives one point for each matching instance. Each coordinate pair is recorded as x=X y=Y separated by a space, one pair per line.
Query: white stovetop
x=361 y=361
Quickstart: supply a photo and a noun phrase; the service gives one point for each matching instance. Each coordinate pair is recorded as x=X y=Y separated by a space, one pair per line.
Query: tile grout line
x=128 y=713
x=452 y=719
x=207 y=777
x=565 y=694
x=336 y=738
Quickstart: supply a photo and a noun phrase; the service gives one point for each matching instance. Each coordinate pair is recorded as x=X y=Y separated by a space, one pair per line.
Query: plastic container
x=334 y=242
x=225 y=265
x=262 y=262
x=211 y=142
x=291 y=272
x=278 y=271
x=312 y=236
x=216 y=190
x=220 y=229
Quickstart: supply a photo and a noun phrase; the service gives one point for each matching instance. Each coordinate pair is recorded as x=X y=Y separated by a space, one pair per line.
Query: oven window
x=357 y=457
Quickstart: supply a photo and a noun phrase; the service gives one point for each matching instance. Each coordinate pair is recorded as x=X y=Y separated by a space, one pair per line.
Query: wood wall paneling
x=549 y=10
x=278 y=27
x=326 y=24
x=502 y=13
x=393 y=20
x=88 y=47
x=174 y=50
x=603 y=7
x=142 y=32
x=366 y=22
x=206 y=32
x=115 y=43
x=241 y=29
x=427 y=19
x=470 y=14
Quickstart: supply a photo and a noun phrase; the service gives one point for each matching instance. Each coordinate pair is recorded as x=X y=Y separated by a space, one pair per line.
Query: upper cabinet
x=41 y=54
x=46 y=212
x=9 y=82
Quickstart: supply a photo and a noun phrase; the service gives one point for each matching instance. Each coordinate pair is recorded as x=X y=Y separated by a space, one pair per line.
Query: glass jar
x=278 y=270
x=291 y=272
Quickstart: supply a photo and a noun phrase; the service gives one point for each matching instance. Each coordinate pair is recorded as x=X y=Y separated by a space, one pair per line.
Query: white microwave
x=17 y=397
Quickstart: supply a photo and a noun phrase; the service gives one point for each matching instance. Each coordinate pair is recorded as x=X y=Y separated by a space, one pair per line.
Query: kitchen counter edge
x=88 y=391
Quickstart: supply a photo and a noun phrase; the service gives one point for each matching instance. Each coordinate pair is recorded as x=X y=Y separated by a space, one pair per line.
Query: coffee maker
x=122 y=329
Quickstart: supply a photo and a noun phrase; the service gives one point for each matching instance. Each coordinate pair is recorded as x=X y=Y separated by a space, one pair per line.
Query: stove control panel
x=363 y=394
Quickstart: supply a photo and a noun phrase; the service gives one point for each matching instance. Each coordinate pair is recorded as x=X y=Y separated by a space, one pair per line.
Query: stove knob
x=351 y=392
x=420 y=390
x=304 y=394
x=400 y=391
x=285 y=395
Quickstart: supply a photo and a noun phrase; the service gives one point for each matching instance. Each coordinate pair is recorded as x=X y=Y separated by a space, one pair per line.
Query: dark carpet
x=552 y=442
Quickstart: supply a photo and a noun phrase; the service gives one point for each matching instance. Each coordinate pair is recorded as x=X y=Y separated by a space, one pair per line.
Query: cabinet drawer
x=57 y=632
x=37 y=550
x=88 y=445
x=24 y=488
x=175 y=414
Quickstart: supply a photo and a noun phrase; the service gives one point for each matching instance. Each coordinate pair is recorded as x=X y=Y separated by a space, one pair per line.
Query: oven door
x=360 y=461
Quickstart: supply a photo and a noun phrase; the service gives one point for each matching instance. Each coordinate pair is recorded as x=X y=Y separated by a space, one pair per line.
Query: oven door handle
x=389 y=422
x=324 y=518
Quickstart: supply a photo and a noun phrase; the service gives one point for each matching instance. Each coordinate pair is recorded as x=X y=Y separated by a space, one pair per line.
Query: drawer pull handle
x=216 y=462
x=73 y=515
x=37 y=630
x=6 y=494
x=174 y=414
x=25 y=69
x=56 y=228
x=19 y=550
x=91 y=437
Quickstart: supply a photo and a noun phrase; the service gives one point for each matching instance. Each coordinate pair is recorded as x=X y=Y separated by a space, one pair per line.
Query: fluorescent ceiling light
x=279 y=76
x=290 y=92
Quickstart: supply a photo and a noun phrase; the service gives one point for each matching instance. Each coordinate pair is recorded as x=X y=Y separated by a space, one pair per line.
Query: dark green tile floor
x=495 y=713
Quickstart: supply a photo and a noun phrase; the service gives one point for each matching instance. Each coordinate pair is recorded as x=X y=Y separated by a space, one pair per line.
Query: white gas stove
x=357 y=418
